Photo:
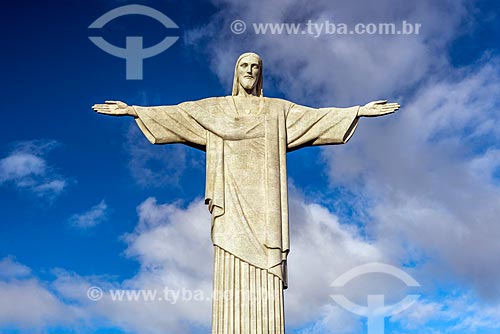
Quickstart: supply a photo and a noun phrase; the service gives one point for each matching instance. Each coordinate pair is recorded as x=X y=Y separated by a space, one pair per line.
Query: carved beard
x=248 y=84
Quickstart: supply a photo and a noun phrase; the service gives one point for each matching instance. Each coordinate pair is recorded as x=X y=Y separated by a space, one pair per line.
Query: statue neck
x=247 y=92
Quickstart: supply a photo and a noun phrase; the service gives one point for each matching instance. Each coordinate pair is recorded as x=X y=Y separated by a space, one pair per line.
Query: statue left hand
x=114 y=108
x=378 y=108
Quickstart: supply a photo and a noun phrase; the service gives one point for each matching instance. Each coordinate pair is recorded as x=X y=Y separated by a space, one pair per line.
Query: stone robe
x=246 y=140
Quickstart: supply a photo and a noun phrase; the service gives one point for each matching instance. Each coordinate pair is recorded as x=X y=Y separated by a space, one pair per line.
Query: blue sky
x=87 y=201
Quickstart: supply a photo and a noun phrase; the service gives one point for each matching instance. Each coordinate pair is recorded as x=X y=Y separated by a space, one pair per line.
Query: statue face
x=248 y=72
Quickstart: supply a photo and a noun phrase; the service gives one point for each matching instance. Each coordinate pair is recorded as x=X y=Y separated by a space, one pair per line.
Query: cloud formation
x=172 y=244
x=431 y=179
x=334 y=69
x=94 y=216
x=26 y=302
x=26 y=168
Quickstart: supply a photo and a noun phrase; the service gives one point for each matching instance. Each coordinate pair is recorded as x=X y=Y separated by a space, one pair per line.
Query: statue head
x=248 y=75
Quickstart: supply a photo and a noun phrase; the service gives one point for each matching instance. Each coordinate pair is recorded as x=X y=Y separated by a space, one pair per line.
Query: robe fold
x=246 y=140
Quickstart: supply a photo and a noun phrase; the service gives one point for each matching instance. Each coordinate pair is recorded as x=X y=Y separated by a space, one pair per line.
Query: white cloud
x=334 y=69
x=321 y=250
x=173 y=247
x=9 y=268
x=94 y=216
x=458 y=313
x=421 y=314
x=50 y=188
x=26 y=303
x=20 y=165
x=431 y=179
x=27 y=169
x=172 y=244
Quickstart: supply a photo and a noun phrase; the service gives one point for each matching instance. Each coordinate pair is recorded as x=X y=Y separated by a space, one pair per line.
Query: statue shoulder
x=279 y=103
x=204 y=103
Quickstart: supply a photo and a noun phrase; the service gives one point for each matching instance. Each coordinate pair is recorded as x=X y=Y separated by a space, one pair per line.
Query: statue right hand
x=114 y=108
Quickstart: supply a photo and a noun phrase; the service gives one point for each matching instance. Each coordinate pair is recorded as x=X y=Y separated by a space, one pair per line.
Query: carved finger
x=390 y=107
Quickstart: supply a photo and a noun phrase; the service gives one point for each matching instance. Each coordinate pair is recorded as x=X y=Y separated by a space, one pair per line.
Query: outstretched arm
x=326 y=126
x=162 y=124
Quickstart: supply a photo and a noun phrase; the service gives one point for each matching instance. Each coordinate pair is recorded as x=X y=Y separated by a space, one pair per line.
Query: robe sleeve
x=193 y=123
x=324 y=126
x=172 y=124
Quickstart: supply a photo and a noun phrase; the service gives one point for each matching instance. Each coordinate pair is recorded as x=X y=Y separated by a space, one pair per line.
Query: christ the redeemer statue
x=246 y=137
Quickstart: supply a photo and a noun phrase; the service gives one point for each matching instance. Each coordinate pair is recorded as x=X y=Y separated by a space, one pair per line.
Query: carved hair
x=236 y=83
